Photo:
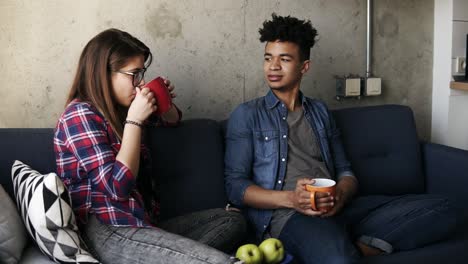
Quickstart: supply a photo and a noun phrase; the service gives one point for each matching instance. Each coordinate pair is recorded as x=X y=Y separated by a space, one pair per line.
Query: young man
x=277 y=144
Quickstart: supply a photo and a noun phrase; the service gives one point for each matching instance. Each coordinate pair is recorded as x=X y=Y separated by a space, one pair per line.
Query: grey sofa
x=189 y=160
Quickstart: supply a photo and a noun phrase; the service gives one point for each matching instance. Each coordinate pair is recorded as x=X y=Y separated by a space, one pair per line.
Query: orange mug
x=321 y=185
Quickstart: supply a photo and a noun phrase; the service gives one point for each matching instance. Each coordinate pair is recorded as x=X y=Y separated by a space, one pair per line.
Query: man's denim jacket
x=257 y=149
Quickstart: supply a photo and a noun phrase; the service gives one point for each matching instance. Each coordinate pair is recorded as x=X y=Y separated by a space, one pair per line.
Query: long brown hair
x=107 y=52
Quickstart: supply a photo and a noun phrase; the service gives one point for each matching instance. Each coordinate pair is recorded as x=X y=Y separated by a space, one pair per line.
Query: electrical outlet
x=460 y=65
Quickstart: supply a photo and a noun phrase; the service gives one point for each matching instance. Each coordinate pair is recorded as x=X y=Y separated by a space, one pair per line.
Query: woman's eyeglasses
x=137 y=76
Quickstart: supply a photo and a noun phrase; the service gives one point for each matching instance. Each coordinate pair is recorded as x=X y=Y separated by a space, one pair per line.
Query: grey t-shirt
x=304 y=161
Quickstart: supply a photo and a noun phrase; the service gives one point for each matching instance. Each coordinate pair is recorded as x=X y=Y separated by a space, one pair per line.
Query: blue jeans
x=390 y=223
x=196 y=238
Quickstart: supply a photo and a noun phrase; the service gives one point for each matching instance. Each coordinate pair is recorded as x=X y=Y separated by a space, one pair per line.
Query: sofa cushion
x=383 y=147
x=188 y=166
x=32 y=255
x=13 y=236
x=17 y=143
x=45 y=207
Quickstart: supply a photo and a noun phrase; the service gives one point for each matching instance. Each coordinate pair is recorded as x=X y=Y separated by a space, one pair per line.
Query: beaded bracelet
x=133 y=123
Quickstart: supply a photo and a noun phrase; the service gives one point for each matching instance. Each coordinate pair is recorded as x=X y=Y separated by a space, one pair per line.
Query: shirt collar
x=303 y=99
x=272 y=101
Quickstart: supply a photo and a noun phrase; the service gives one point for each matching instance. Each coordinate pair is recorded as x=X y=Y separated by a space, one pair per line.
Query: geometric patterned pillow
x=44 y=203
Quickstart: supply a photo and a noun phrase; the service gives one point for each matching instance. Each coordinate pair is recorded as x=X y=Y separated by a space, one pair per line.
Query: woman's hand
x=142 y=106
x=170 y=87
x=171 y=116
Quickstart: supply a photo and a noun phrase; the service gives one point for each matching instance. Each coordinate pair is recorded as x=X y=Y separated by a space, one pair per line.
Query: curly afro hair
x=292 y=30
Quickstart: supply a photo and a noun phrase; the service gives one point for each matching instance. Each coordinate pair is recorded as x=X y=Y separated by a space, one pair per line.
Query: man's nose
x=275 y=65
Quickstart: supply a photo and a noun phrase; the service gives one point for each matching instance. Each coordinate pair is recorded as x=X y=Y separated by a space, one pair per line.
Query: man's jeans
x=187 y=239
x=390 y=223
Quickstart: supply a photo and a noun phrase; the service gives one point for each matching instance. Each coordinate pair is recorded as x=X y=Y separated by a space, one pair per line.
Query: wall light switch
x=348 y=87
x=372 y=86
x=353 y=87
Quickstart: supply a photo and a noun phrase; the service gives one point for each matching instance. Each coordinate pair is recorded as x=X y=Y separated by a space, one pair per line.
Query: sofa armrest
x=446 y=170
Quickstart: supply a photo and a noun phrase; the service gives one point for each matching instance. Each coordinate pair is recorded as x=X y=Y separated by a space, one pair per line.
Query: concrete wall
x=210 y=50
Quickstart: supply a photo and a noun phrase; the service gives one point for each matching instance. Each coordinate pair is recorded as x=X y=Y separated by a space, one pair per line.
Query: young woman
x=101 y=159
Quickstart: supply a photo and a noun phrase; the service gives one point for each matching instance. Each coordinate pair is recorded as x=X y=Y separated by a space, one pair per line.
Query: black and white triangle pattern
x=45 y=207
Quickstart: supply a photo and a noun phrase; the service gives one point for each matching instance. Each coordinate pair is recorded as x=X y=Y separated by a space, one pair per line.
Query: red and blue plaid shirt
x=85 y=150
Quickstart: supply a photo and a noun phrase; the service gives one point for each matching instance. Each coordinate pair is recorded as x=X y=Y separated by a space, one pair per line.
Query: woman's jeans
x=389 y=223
x=199 y=237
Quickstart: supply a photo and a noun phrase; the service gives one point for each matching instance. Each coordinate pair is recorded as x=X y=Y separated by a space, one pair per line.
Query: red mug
x=161 y=94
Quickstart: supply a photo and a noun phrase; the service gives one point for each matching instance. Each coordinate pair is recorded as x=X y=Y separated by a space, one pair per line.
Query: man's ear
x=305 y=66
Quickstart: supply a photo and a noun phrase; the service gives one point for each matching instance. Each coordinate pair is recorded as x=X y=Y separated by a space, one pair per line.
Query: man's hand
x=345 y=190
x=300 y=199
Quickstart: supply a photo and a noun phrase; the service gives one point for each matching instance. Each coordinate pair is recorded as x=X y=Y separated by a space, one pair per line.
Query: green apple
x=273 y=250
x=250 y=254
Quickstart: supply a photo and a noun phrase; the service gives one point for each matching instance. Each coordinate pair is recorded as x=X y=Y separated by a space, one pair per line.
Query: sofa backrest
x=33 y=146
x=189 y=165
x=382 y=145
x=188 y=162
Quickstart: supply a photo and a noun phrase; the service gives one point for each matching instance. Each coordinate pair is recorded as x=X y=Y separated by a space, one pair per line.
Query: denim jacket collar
x=272 y=101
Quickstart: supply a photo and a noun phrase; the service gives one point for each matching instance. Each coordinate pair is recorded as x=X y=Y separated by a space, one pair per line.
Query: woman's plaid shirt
x=85 y=151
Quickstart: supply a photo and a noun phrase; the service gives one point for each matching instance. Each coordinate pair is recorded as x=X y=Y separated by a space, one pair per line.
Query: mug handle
x=312 y=200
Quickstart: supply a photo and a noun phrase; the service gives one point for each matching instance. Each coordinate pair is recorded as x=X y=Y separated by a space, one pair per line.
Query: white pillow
x=45 y=206
x=13 y=237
